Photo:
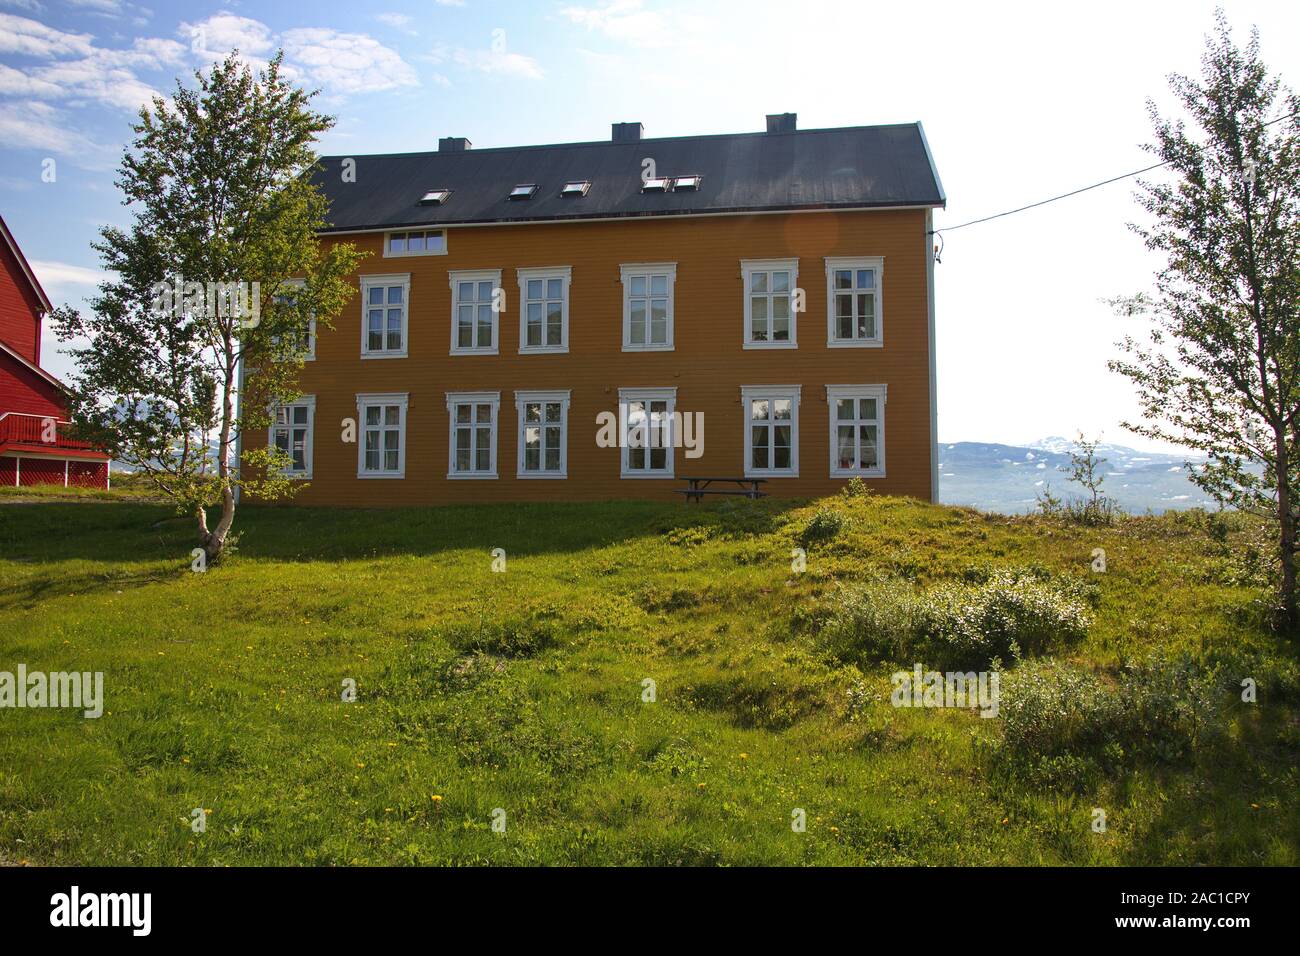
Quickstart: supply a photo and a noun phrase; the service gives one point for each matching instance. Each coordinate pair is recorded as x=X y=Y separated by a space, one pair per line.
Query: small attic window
x=655 y=184
x=578 y=187
x=523 y=191
x=687 y=182
x=435 y=197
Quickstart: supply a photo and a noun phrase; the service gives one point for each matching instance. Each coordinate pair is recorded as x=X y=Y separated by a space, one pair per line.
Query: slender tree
x=1220 y=373
x=220 y=270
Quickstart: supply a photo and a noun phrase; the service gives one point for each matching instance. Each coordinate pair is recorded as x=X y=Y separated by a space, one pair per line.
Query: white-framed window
x=292 y=427
x=384 y=312
x=472 y=437
x=416 y=242
x=648 y=306
x=771 y=430
x=770 y=321
x=544 y=309
x=853 y=302
x=381 y=444
x=287 y=296
x=646 y=422
x=543 y=434
x=857 y=421
x=475 y=322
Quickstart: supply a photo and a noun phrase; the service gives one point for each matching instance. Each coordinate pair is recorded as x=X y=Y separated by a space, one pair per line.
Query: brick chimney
x=626 y=132
x=782 y=122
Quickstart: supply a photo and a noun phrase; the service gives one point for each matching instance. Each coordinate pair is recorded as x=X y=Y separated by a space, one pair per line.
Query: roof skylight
x=435 y=197
x=687 y=182
x=655 y=184
x=523 y=191
x=577 y=187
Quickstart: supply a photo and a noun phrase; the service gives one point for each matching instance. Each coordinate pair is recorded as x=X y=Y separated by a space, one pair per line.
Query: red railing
x=45 y=430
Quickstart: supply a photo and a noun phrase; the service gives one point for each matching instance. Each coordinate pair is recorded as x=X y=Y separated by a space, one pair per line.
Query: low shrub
x=1062 y=723
x=824 y=525
x=1007 y=614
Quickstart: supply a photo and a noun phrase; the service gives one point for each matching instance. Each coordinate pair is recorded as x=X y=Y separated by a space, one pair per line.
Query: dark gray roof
x=851 y=167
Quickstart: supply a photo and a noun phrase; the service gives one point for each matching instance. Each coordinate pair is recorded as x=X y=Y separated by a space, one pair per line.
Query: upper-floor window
x=769 y=302
x=418 y=242
x=382 y=445
x=648 y=306
x=646 y=415
x=857 y=429
x=543 y=434
x=475 y=305
x=384 y=315
x=291 y=433
x=306 y=336
x=544 y=309
x=853 y=309
x=473 y=434
x=771 y=430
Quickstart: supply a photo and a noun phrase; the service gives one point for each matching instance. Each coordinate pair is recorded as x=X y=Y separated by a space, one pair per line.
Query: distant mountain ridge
x=1008 y=478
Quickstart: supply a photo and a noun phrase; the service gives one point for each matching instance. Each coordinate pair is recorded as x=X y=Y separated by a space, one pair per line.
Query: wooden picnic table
x=697 y=487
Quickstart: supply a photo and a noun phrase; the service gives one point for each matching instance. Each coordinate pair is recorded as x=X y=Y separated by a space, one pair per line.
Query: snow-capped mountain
x=1008 y=478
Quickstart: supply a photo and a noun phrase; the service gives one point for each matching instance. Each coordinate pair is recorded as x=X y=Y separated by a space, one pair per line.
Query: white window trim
x=404 y=280
x=626 y=395
x=476 y=398
x=881 y=394
x=381 y=398
x=855 y=262
x=626 y=271
x=308 y=455
x=747 y=268
x=474 y=275
x=425 y=229
x=310 y=354
x=747 y=394
x=564 y=273
x=522 y=398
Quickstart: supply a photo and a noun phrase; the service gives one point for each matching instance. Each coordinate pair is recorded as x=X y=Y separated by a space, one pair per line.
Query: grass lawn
x=523 y=691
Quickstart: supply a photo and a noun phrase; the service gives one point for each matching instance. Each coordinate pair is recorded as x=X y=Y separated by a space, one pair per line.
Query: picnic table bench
x=697 y=488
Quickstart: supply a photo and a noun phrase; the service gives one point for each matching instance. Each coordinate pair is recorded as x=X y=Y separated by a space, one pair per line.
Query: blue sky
x=1020 y=101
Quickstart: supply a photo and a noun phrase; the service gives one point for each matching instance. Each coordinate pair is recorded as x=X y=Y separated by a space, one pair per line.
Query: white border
x=381 y=398
x=466 y=398
x=564 y=273
x=555 y=395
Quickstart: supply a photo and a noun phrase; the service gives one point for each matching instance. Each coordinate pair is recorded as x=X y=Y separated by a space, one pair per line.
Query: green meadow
x=643 y=683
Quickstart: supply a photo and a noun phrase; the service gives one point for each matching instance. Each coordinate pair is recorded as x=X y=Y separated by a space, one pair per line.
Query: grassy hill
x=524 y=690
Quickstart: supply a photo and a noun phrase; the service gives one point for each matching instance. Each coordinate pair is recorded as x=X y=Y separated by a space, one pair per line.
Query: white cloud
x=98 y=6
x=57 y=278
x=336 y=62
x=398 y=21
x=346 y=62
x=40 y=126
x=626 y=21
x=31 y=38
x=222 y=32
x=31 y=6
x=494 y=61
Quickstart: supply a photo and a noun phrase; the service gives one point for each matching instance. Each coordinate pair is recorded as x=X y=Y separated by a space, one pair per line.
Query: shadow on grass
x=1235 y=794
x=62 y=531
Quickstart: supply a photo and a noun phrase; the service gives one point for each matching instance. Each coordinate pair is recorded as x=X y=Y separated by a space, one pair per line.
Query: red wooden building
x=34 y=446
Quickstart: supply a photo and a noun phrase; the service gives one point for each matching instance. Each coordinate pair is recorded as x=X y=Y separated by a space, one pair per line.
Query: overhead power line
x=1074 y=192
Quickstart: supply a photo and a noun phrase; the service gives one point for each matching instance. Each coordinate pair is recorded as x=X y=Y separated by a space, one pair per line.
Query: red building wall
x=20 y=328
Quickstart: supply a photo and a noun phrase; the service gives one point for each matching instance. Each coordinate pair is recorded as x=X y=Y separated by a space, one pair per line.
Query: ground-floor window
x=473 y=434
x=382 y=442
x=771 y=430
x=543 y=434
x=291 y=433
x=646 y=423
x=857 y=421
